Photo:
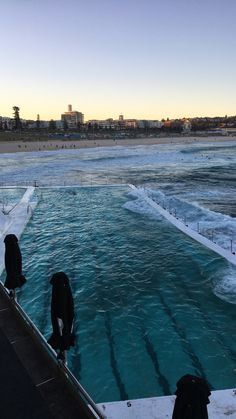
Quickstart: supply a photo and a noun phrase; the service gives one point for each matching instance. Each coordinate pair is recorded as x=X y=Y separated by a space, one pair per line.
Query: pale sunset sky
x=147 y=59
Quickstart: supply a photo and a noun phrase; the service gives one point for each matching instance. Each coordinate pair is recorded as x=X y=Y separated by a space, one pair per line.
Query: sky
x=146 y=59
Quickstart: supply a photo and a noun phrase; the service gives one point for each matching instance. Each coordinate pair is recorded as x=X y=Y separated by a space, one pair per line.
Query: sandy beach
x=22 y=145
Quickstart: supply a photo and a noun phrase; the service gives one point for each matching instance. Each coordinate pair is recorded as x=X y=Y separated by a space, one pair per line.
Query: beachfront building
x=149 y=123
x=131 y=123
x=5 y=123
x=72 y=119
x=186 y=126
x=101 y=124
x=123 y=124
x=113 y=124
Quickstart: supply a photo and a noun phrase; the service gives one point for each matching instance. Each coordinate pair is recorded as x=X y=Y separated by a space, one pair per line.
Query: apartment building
x=73 y=119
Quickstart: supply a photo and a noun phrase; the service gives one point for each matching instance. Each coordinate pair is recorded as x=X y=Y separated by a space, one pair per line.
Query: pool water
x=145 y=302
x=10 y=196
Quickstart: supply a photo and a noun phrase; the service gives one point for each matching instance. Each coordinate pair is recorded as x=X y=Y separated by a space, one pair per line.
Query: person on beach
x=62 y=315
x=13 y=265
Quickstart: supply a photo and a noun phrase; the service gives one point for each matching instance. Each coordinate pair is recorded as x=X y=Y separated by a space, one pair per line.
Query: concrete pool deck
x=33 y=384
x=222 y=405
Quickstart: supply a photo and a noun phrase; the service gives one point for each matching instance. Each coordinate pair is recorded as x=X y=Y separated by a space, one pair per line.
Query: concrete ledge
x=222 y=405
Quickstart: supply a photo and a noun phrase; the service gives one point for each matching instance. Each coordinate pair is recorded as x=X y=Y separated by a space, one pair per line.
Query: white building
x=186 y=126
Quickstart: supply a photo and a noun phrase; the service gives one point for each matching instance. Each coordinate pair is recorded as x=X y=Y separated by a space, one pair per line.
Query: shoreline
x=14 y=146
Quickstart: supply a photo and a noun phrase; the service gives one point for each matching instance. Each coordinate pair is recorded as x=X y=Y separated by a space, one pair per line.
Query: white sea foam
x=224 y=282
x=219 y=228
x=141 y=207
x=224 y=285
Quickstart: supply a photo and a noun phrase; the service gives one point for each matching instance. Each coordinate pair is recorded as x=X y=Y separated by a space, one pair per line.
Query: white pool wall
x=15 y=221
x=222 y=405
x=185 y=229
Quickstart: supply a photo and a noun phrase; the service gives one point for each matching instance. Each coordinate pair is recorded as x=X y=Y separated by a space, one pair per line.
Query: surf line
x=184 y=228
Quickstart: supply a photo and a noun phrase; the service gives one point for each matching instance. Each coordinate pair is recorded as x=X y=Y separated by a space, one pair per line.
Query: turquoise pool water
x=146 y=311
x=9 y=197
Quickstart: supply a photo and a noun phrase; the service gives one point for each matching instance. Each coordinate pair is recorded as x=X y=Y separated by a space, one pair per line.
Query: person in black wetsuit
x=192 y=398
x=13 y=265
x=62 y=315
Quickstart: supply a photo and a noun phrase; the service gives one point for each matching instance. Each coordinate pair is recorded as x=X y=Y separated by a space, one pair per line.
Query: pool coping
x=222 y=405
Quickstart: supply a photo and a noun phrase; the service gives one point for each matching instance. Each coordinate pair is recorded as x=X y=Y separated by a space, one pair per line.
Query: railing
x=210 y=234
x=82 y=181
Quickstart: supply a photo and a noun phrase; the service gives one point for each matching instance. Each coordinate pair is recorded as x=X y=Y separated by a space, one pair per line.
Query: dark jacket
x=13 y=263
x=62 y=307
x=192 y=398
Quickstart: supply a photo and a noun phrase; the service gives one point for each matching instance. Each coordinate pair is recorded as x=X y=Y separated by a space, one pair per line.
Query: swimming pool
x=146 y=311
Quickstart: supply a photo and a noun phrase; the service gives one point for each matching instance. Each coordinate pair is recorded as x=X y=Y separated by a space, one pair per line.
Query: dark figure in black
x=62 y=315
x=192 y=398
x=13 y=265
